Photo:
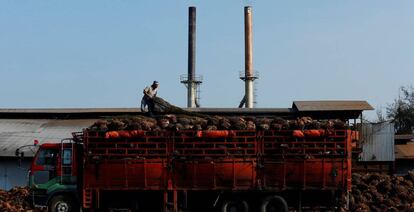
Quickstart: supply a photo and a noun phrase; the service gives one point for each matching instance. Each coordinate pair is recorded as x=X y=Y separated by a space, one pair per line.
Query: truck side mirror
x=20 y=156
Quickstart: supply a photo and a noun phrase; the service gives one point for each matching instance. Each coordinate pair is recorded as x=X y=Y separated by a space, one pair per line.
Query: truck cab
x=53 y=177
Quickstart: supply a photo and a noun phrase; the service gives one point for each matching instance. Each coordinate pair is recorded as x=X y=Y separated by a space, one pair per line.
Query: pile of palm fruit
x=177 y=119
x=16 y=199
x=185 y=122
x=382 y=192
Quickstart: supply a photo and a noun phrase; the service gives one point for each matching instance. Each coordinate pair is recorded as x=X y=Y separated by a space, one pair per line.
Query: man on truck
x=149 y=93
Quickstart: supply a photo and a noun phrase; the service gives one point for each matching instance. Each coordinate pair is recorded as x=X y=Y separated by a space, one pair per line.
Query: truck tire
x=274 y=203
x=62 y=203
x=235 y=206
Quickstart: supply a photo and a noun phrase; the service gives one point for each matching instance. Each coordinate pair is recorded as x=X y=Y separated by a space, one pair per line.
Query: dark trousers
x=146 y=101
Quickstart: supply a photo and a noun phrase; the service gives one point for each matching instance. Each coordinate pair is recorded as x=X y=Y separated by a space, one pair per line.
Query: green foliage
x=401 y=112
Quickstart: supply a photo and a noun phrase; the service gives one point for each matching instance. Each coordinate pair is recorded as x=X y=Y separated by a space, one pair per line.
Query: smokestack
x=191 y=93
x=191 y=80
x=248 y=57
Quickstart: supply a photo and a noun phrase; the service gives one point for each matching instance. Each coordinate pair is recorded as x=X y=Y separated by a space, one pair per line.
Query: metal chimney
x=248 y=57
x=192 y=81
x=191 y=93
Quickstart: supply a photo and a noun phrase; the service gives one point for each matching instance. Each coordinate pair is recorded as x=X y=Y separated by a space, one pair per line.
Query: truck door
x=44 y=166
x=52 y=178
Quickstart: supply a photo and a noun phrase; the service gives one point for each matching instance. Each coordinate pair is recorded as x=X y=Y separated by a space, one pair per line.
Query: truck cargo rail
x=231 y=144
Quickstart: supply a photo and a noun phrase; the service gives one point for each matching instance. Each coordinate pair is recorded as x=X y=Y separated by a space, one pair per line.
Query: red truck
x=193 y=171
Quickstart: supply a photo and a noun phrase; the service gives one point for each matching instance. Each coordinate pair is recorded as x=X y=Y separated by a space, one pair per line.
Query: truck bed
x=238 y=160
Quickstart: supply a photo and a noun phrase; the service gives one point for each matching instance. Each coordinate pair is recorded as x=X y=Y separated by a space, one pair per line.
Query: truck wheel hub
x=62 y=207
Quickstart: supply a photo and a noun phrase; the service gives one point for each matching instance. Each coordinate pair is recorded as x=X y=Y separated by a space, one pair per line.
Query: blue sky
x=102 y=53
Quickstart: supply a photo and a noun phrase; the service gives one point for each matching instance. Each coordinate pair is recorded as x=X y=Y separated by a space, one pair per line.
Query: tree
x=401 y=112
x=380 y=116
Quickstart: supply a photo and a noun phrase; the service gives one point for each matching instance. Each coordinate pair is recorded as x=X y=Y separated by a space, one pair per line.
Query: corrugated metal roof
x=377 y=141
x=65 y=113
x=136 y=110
x=342 y=105
x=301 y=106
x=240 y=110
x=81 y=113
x=69 y=110
x=19 y=132
x=404 y=151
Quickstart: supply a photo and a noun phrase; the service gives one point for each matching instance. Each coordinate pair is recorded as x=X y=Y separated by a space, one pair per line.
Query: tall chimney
x=248 y=57
x=191 y=93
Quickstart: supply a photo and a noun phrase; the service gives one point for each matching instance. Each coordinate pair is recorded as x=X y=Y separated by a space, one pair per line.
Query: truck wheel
x=274 y=204
x=62 y=203
x=235 y=206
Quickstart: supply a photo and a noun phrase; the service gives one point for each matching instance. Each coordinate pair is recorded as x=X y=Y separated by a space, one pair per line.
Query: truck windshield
x=47 y=157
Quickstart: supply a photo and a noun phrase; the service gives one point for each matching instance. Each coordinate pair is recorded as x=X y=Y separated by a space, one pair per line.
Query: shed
x=377 y=142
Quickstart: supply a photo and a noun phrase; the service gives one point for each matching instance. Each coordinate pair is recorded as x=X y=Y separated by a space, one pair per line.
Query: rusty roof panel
x=343 y=105
x=404 y=151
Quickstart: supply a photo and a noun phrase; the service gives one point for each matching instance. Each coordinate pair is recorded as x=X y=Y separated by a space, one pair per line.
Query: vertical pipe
x=248 y=56
x=191 y=93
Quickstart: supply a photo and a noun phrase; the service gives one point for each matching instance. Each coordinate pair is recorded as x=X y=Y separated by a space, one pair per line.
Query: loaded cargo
x=227 y=163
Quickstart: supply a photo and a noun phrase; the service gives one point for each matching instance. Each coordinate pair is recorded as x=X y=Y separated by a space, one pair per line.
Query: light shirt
x=151 y=92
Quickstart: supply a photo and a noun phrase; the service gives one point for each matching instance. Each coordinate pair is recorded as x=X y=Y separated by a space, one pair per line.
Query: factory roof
x=81 y=113
x=342 y=105
x=136 y=110
x=65 y=113
x=69 y=110
x=243 y=111
x=15 y=133
x=343 y=109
